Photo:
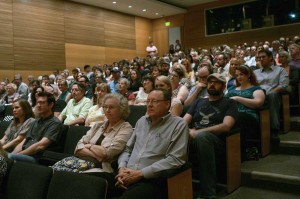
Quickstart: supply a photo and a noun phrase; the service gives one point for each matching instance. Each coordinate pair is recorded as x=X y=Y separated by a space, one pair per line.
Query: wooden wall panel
x=38 y=35
x=119 y=30
x=6 y=35
x=80 y=55
x=116 y=54
x=161 y=41
x=84 y=24
x=143 y=34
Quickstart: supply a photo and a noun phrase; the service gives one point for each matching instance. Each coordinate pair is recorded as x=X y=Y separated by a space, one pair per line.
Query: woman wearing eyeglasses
x=103 y=143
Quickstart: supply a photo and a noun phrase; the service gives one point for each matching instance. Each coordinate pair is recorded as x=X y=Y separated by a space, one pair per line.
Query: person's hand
x=193 y=133
x=127 y=177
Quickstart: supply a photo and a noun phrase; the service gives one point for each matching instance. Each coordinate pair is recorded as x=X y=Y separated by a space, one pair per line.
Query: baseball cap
x=115 y=70
x=218 y=76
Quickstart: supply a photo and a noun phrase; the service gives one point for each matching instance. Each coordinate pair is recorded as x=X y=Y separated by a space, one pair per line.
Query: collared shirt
x=154 y=148
x=114 y=141
x=295 y=63
x=49 y=127
x=271 y=78
x=113 y=85
x=75 y=110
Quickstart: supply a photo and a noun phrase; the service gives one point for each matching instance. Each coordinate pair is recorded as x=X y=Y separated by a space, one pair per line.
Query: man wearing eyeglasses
x=208 y=118
x=159 y=143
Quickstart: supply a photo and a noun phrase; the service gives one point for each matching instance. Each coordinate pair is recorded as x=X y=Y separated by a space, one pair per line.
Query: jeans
x=205 y=151
x=22 y=158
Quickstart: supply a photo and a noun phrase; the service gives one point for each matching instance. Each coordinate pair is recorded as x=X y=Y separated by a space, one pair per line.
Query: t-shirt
x=245 y=93
x=207 y=113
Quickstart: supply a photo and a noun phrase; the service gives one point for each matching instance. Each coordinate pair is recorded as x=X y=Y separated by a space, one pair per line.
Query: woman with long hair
x=249 y=96
x=135 y=80
x=16 y=131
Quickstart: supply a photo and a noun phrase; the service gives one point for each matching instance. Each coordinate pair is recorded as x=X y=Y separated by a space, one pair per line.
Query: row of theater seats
x=30 y=181
x=179 y=180
x=230 y=174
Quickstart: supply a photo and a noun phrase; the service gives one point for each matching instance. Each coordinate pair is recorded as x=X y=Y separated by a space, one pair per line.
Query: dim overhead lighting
x=144 y=10
x=156 y=13
x=129 y=6
x=114 y=2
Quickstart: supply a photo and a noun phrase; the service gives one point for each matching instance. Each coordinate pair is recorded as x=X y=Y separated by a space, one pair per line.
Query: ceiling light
x=144 y=10
x=156 y=13
x=129 y=6
x=114 y=2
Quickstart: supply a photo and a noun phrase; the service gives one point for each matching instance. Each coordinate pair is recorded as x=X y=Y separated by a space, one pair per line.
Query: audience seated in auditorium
x=77 y=108
x=274 y=80
x=65 y=94
x=179 y=91
x=34 y=96
x=22 y=88
x=208 y=118
x=18 y=128
x=221 y=65
x=293 y=73
x=200 y=89
x=3 y=164
x=59 y=104
x=11 y=93
x=2 y=90
x=115 y=80
x=123 y=90
x=158 y=143
x=43 y=133
x=85 y=82
x=249 y=97
x=163 y=82
x=148 y=83
x=294 y=50
x=103 y=143
x=135 y=80
x=96 y=113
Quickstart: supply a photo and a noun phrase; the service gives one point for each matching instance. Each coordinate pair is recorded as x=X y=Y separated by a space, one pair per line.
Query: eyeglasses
x=173 y=75
x=61 y=84
x=154 y=102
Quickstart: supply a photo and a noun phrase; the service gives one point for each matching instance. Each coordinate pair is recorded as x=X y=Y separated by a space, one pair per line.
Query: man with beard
x=208 y=118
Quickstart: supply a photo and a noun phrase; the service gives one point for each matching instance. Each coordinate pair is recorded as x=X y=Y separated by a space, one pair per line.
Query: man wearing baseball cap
x=114 y=83
x=208 y=118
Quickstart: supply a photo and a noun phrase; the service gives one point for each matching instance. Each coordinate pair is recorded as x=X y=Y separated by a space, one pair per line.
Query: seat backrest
x=76 y=186
x=27 y=180
x=74 y=134
x=136 y=112
x=3 y=127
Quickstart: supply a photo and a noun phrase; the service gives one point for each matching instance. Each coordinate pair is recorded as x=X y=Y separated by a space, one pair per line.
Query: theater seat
x=76 y=186
x=27 y=180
